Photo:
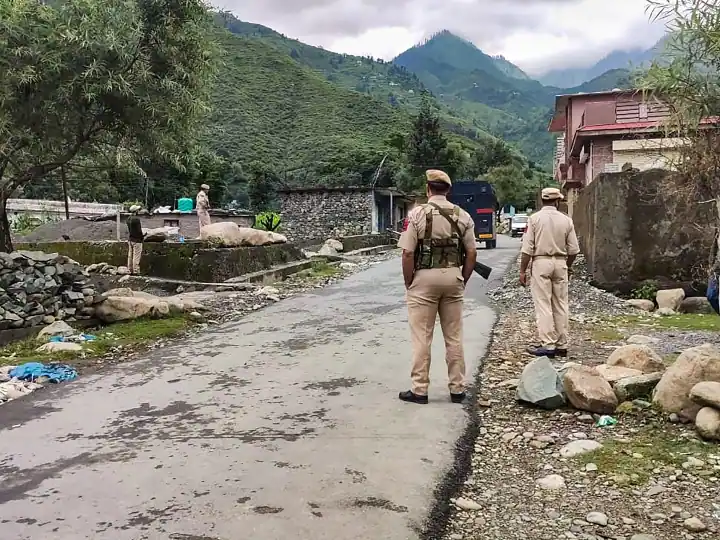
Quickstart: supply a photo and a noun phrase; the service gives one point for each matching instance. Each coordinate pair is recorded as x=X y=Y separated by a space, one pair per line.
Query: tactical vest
x=440 y=252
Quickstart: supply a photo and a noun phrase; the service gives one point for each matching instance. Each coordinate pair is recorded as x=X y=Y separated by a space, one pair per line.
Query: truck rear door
x=484 y=223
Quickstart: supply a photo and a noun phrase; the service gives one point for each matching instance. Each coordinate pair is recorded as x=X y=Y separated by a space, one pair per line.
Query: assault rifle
x=483 y=270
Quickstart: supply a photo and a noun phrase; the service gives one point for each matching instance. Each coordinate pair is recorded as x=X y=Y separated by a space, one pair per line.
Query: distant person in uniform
x=438 y=259
x=549 y=248
x=135 y=240
x=202 y=206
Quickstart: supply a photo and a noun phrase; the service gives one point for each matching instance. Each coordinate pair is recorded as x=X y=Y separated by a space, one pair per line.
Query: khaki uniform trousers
x=549 y=286
x=134 y=254
x=203 y=218
x=436 y=291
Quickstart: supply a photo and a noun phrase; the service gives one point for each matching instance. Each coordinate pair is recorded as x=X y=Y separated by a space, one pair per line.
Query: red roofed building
x=602 y=131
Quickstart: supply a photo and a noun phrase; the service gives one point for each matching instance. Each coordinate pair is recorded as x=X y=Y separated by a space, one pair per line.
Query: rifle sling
x=444 y=213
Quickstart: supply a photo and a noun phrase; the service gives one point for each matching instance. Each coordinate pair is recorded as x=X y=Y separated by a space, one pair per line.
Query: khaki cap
x=438 y=176
x=204 y=186
x=551 y=194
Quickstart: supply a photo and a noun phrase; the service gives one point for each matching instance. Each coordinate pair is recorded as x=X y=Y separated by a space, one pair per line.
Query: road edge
x=452 y=480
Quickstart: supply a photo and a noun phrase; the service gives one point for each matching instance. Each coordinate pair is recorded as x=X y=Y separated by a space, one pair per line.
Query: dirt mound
x=76 y=229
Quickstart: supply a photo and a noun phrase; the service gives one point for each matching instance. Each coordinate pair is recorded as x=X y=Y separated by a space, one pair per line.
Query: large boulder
x=327 y=250
x=612 y=374
x=587 y=390
x=540 y=385
x=670 y=299
x=640 y=357
x=636 y=387
x=707 y=423
x=180 y=303
x=125 y=308
x=706 y=393
x=642 y=305
x=694 y=365
x=58 y=328
x=334 y=244
x=229 y=234
x=696 y=304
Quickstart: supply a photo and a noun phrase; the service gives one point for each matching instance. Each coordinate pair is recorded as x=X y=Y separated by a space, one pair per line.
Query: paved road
x=283 y=426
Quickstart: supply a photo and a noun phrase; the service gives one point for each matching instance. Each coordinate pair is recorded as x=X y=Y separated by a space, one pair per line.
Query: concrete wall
x=191 y=261
x=631 y=230
x=321 y=214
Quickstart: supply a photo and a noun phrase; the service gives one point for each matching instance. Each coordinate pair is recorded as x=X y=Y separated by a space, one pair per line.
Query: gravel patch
x=552 y=475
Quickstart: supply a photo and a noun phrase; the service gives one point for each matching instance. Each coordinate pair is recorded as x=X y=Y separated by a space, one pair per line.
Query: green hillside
x=385 y=81
x=270 y=109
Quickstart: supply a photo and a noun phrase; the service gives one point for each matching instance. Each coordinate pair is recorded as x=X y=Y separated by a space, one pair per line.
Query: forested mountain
x=624 y=60
x=492 y=95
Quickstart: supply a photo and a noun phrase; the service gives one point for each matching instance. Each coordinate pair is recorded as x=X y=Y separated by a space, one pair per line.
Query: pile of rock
x=108 y=269
x=585 y=300
x=634 y=375
x=672 y=301
x=39 y=288
x=330 y=248
x=690 y=390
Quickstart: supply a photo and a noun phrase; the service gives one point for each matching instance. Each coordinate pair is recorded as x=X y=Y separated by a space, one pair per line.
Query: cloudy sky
x=537 y=35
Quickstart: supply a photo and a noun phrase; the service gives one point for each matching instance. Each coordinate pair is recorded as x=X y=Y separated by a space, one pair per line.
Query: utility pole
x=65 y=191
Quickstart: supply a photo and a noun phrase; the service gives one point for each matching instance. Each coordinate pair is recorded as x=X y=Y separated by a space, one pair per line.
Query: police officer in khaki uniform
x=438 y=258
x=549 y=249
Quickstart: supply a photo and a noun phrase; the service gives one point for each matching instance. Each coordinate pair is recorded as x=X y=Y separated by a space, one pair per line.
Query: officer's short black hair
x=441 y=188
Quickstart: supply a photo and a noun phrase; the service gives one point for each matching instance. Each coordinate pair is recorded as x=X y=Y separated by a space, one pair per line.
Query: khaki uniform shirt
x=202 y=202
x=550 y=233
x=441 y=228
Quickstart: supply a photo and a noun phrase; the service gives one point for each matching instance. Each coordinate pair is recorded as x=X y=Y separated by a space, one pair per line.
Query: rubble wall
x=190 y=261
x=633 y=227
x=39 y=288
x=316 y=215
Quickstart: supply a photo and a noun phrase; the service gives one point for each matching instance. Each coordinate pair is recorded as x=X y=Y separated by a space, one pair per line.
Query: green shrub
x=647 y=291
x=267 y=221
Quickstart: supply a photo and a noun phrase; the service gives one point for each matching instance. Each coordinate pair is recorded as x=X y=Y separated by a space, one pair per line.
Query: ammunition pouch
x=440 y=252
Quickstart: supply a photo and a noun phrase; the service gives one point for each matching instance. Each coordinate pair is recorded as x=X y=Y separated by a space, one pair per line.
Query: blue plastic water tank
x=185 y=205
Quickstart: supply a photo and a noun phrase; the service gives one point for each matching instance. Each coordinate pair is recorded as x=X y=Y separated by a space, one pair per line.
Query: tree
x=426 y=144
x=261 y=187
x=687 y=79
x=494 y=154
x=509 y=184
x=111 y=81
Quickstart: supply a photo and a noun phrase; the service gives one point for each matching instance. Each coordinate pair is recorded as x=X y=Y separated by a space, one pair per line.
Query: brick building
x=602 y=131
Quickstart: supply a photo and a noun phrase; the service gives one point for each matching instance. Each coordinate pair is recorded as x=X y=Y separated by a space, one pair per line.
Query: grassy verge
x=632 y=462
x=619 y=328
x=321 y=269
x=121 y=335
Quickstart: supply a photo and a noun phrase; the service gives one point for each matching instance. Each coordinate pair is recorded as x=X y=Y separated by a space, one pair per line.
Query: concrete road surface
x=285 y=425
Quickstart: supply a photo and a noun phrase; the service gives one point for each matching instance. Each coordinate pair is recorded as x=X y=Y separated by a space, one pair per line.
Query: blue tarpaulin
x=31 y=371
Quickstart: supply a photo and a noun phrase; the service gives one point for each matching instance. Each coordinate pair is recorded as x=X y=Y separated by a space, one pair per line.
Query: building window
x=643 y=109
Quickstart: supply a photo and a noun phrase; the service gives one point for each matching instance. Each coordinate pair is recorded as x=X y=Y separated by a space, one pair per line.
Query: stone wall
x=632 y=229
x=310 y=215
x=190 y=261
x=38 y=288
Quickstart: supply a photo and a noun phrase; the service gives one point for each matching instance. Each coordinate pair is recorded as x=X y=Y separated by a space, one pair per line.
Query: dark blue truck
x=478 y=199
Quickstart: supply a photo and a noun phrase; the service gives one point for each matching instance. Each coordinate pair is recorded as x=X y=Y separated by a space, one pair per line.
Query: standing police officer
x=549 y=247
x=438 y=259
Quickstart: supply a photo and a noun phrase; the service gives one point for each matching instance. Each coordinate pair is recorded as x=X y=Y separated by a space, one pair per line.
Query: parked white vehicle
x=518 y=224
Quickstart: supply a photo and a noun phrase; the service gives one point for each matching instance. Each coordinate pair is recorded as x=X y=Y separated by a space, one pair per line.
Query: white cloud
x=537 y=35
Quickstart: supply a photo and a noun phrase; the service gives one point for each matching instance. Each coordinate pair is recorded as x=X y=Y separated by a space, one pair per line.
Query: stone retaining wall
x=190 y=261
x=632 y=228
x=38 y=288
x=316 y=215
